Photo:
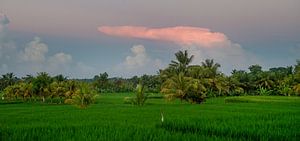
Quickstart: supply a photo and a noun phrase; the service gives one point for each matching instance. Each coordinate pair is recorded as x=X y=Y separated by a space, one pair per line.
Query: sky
x=82 y=38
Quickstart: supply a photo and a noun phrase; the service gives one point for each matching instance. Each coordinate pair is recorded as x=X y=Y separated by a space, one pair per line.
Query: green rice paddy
x=231 y=118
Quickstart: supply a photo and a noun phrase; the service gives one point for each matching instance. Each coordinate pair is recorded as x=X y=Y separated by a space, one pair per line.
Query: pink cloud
x=183 y=35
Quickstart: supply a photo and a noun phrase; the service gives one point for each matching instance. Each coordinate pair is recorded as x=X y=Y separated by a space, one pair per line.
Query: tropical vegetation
x=253 y=104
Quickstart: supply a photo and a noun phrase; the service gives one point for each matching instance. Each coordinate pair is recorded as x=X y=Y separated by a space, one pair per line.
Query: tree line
x=192 y=83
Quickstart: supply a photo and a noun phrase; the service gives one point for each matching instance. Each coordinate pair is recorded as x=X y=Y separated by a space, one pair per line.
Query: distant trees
x=181 y=80
x=7 y=79
x=47 y=89
x=103 y=84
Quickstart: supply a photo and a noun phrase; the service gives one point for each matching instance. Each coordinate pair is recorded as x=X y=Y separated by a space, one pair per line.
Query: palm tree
x=84 y=96
x=198 y=91
x=9 y=93
x=218 y=85
x=7 y=79
x=196 y=71
x=71 y=88
x=101 y=82
x=28 y=78
x=41 y=85
x=182 y=61
x=166 y=73
x=235 y=86
x=26 y=90
x=177 y=86
x=212 y=67
x=297 y=89
x=265 y=81
x=58 y=89
x=60 y=78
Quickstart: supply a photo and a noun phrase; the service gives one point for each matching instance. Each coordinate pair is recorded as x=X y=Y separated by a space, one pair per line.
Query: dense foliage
x=262 y=117
x=47 y=89
x=196 y=82
x=103 y=84
x=181 y=80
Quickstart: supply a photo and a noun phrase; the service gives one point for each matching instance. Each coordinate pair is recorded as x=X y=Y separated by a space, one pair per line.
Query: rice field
x=231 y=118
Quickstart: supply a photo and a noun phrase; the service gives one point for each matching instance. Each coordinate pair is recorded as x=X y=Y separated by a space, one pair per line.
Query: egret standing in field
x=162 y=116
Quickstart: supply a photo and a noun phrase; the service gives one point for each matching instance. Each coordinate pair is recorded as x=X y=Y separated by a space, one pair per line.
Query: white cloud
x=138 y=63
x=34 y=51
x=60 y=62
x=139 y=58
x=233 y=56
x=7 y=46
x=34 y=57
x=84 y=70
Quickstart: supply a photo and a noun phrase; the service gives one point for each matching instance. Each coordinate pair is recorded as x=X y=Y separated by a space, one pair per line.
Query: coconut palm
x=28 y=78
x=177 y=86
x=60 y=78
x=71 y=88
x=197 y=93
x=265 y=81
x=182 y=61
x=196 y=71
x=41 y=85
x=84 y=96
x=58 y=89
x=7 y=79
x=9 y=93
x=297 y=89
x=26 y=90
x=212 y=67
x=235 y=86
x=217 y=85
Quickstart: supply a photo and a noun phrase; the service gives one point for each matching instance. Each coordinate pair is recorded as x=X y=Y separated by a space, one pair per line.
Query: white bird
x=162 y=117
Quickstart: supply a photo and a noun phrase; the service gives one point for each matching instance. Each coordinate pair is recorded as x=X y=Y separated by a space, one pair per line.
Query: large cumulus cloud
x=138 y=63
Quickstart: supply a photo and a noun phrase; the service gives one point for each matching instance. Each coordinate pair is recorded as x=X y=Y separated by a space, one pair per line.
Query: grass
x=260 y=118
x=262 y=99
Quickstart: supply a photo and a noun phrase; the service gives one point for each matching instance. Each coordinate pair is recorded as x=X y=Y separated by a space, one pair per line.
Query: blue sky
x=63 y=37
